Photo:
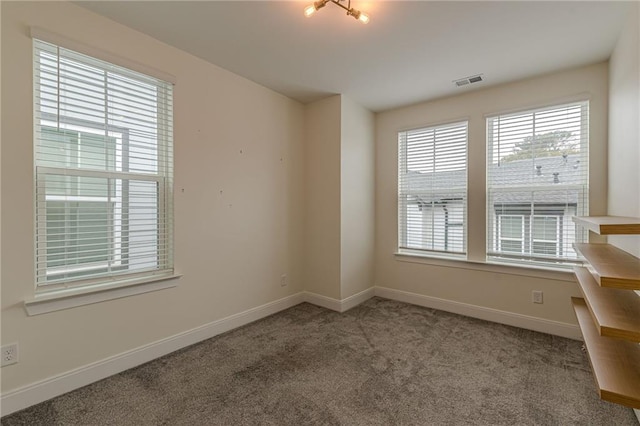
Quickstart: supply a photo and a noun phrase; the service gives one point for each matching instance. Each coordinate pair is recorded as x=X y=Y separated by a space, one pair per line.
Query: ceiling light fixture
x=360 y=16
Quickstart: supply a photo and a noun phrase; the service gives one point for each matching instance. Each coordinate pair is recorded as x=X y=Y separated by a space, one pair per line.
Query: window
x=511 y=233
x=432 y=189
x=545 y=236
x=104 y=171
x=537 y=178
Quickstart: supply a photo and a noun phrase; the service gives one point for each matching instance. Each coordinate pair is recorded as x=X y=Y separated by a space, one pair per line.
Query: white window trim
x=57 y=296
x=60 y=299
x=504 y=268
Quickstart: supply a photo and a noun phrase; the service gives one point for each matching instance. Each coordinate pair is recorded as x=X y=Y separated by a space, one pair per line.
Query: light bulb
x=309 y=10
x=364 y=18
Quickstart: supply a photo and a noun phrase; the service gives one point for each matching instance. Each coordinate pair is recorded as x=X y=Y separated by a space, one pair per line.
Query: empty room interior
x=331 y=212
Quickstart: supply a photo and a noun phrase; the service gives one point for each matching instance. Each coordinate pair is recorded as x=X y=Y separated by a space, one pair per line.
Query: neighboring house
x=542 y=228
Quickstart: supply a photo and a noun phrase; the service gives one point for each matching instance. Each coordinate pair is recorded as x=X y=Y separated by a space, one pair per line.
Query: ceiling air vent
x=468 y=80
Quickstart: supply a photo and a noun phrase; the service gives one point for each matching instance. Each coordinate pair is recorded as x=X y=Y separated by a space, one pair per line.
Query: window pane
x=69 y=148
x=58 y=147
x=58 y=186
x=537 y=168
x=432 y=188
x=511 y=246
x=142 y=225
x=104 y=160
x=96 y=152
x=545 y=228
x=545 y=248
x=511 y=226
x=77 y=234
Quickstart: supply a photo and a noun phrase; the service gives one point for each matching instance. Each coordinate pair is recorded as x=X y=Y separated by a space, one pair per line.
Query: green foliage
x=551 y=144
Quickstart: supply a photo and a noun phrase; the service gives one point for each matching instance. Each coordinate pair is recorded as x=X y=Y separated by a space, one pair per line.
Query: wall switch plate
x=9 y=354
x=536 y=296
x=283 y=280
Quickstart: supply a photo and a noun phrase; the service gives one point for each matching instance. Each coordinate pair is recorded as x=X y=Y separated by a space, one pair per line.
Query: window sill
x=495 y=267
x=57 y=300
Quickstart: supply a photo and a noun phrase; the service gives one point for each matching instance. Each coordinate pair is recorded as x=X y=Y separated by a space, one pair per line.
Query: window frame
x=78 y=127
x=402 y=213
x=581 y=207
x=162 y=179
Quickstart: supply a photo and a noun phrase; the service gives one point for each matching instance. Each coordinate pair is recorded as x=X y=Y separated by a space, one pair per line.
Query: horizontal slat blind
x=432 y=189
x=104 y=170
x=537 y=178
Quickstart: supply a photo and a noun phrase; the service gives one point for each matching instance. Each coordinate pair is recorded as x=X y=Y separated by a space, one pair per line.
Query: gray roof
x=525 y=172
x=514 y=173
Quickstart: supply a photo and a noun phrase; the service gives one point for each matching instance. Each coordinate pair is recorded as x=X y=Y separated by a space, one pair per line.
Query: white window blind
x=537 y=178
x=104 y=170
x=432 y=189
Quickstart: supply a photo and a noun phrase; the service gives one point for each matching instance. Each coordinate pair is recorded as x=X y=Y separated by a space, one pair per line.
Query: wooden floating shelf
x=615 y=312
x=611 y=266
x=615 y=363
x=610 y=225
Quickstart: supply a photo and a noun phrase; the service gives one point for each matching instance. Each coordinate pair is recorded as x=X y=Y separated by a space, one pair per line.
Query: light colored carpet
x=381 y=363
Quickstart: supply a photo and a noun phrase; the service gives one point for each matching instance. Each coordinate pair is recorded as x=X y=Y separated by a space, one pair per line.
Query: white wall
x=505 y=289
x=357 y=205
x=624 y=129
x=237 y=223
x=322 y=197
x=339 y=194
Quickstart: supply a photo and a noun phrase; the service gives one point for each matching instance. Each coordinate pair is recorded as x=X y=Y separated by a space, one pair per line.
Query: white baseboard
x=637 y=414
x=46 y=389
x=338 y=305
x=503 y=317
x=322 y=301
x=356 y=299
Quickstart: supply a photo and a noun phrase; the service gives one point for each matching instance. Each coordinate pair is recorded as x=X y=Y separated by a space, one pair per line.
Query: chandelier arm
x=337 y=2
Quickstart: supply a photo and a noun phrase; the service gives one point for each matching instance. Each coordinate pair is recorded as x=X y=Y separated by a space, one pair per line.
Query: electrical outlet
x=536 y=296
x=9 y=354
x=283 y=280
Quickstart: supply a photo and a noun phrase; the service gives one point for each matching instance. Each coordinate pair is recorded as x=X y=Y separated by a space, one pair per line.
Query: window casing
x=432 y=190
x=103 y=171
x=537 y=178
